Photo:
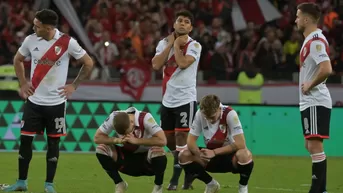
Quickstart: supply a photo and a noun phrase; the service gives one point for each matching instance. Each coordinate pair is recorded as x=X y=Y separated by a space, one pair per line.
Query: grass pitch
x=81 y=173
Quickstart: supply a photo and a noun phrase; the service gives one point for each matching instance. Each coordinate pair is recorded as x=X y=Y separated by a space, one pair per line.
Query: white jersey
x=179 y=85
x=314 y=51
x=49 y=67
x=147 y=130
x=220 y=133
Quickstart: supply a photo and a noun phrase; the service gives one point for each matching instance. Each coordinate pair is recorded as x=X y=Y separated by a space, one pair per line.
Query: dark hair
x=185 y=13
x=121 y=122
x=311 y=9
x=47 y=17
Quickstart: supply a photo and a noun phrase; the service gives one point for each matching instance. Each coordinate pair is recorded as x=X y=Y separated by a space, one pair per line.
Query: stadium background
x=237 y=36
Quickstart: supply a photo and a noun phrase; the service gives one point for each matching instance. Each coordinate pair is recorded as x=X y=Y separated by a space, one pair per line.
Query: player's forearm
x=20 y=71
x=84 y=72
x=322 y=75
x=194 y=149
x=153 y=141
x=229 y=149
x=180 y=58
x=159 y=60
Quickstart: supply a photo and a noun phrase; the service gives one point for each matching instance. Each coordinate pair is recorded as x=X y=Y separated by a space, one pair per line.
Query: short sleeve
x=75 y=50
x=234 y=123
x=318 y=52
x=160 y=47
x=24 y=48
x=107 y=126
x=194 y=49
x=196 y=127
x=150 y=124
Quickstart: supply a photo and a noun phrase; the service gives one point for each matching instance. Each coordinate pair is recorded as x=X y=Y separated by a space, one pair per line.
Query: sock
x=110 y=167
x=245 y=170
x=159 y=165
x=52 y=156
x=188 y=178
x=25 y=156
x=197 y=170
x=177 y=169
x=318 y=172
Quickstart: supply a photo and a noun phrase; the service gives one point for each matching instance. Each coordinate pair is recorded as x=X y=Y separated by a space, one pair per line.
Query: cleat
x=243 y=189
x=121 y=187
x=49 y=188
x=157 y=189
x=172 y=187
x=212 y=187
x=187 y=187
x=20 y=185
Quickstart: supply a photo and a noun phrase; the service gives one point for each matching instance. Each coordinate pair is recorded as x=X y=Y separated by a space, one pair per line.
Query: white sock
x=212 y=182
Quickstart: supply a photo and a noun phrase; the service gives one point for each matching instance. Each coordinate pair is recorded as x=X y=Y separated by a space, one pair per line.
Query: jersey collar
x=56 y=36
x=133 y=109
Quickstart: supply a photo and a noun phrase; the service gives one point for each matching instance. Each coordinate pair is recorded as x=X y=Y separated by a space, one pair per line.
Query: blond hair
x=209 y=104
x=121 y=122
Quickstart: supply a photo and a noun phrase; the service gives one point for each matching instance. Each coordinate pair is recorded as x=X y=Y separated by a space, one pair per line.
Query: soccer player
x=179 y=54
x=225 y=149
x=46 y=94
x=315 y=100
x=136 y=148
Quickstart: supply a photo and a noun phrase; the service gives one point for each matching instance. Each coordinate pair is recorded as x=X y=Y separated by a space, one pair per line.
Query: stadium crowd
x=127 y=31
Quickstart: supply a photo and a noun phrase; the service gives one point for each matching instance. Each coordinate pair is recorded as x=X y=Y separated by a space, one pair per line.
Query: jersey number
x=183 y=120
x=60 y=125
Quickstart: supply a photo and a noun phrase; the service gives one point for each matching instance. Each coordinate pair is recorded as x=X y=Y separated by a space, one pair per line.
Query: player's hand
x=305 y=88
x=67 y=90
x=171 y=38
x=207 y=154
x=26 y=90
x=130 y=138
x=181 y=41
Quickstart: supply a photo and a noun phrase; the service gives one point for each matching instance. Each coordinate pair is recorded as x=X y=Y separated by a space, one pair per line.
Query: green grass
x=81 y=173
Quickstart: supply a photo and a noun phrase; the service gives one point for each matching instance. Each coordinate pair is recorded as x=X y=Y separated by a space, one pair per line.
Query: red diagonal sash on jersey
x=306 y=50
x=53 y=54
x=170 y=68
x=218 y=139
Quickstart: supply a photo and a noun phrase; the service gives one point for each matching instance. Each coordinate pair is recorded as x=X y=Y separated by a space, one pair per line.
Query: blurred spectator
x=124 y=31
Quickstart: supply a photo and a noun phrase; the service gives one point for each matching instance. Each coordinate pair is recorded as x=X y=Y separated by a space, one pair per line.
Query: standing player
x=141 y=152
x=46 y=94
x=315 y=100
x=179 y=54
x=225 y=150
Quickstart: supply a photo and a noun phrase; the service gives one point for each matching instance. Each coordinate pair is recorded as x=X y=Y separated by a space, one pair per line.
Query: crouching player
x=225 y=150
x=136 y=148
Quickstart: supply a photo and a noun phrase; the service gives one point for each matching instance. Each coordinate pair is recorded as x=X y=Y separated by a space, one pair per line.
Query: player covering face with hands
x=136 y=148
x=178 y=54
x=225 y=149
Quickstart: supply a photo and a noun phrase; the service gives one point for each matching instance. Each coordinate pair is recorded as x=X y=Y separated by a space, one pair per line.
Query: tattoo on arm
x=83 y=74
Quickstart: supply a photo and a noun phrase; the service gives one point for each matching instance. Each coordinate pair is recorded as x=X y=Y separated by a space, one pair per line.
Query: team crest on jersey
x=58 y=50
x=223 y=128
x=138 y=133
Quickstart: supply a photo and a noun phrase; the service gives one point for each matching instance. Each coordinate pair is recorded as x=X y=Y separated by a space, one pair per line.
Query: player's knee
x=243 y=155
x=26 y=141
x=53 y=148
x=185 y=157
x=155 y=152
x=315 y=145
x=105 y=150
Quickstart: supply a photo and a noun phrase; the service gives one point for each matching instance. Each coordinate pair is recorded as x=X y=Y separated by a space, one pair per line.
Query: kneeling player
x=136 y=148
x=225 y=145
